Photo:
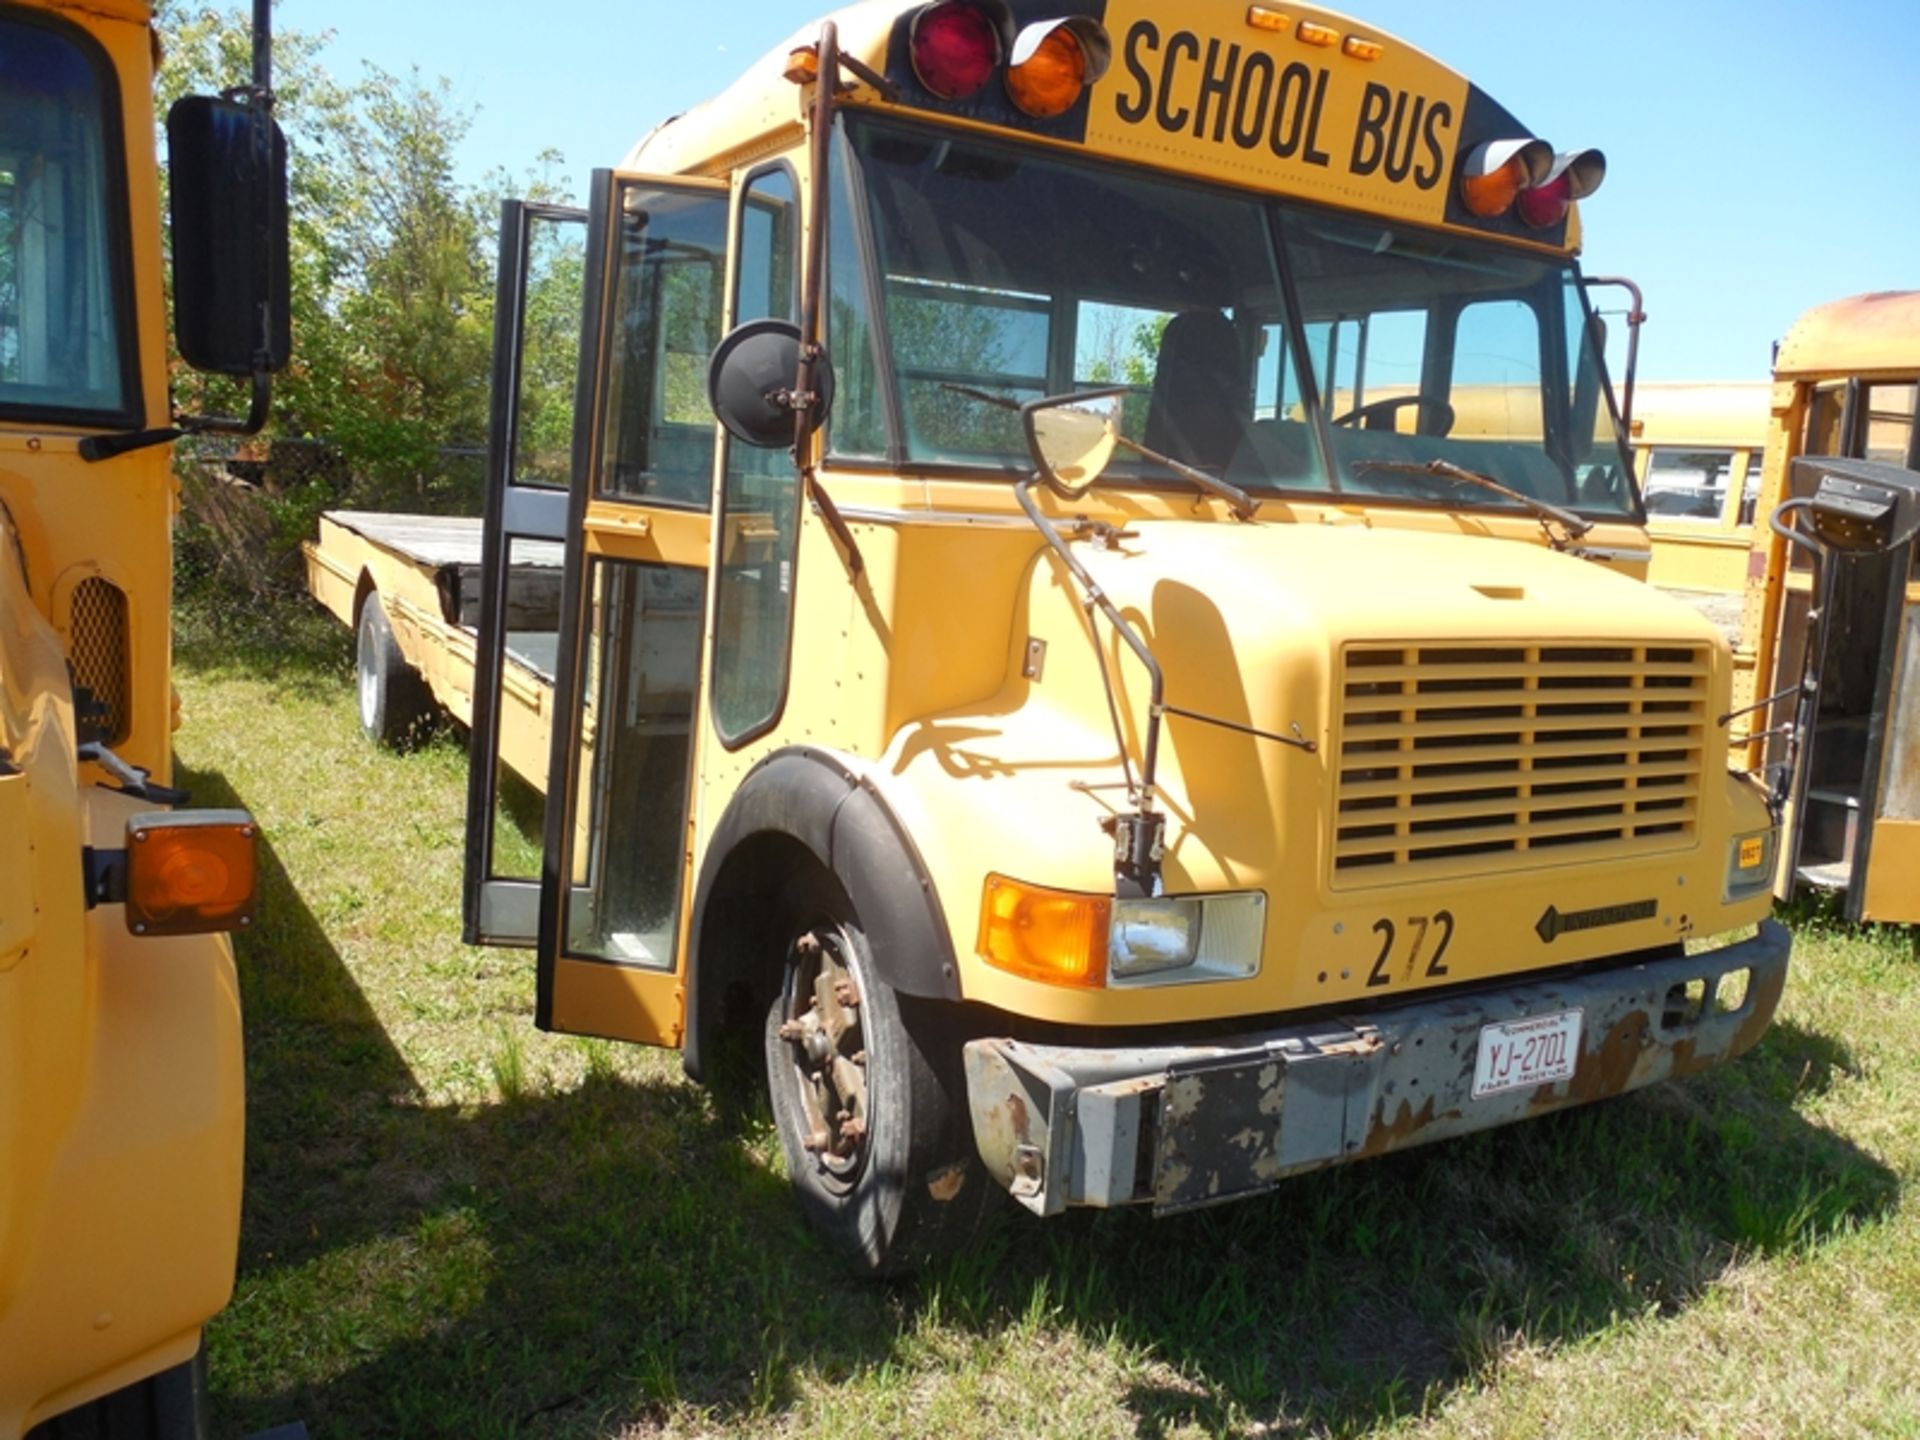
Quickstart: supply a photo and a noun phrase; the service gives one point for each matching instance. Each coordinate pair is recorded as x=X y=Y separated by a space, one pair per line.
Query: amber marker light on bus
x=190 y=872
x=1053 y=61
x=1261 y=18
x=1574 y=175
x=803 y=65
x=956 y=46
x=1360 y=49
x=1055 y=936
x=1322 y=35
x=1495 y=173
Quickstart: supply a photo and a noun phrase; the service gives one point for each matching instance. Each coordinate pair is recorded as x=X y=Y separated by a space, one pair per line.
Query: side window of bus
x=1688 y=484
x=1750 y=490
x=759 y=513
x=665 y=322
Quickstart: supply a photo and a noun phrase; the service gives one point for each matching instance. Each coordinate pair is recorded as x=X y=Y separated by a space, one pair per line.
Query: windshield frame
x=1275 y=212
x=117 y=238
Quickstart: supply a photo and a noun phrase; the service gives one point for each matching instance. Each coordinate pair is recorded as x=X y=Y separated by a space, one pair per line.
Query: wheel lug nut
x=859 y=1057
x=816 y=1142
x=792 y=1031
x=846 y=994
x=853 y=1128
x=808 y=944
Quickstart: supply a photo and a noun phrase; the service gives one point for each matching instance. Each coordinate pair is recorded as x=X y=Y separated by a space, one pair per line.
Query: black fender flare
x=810 y=798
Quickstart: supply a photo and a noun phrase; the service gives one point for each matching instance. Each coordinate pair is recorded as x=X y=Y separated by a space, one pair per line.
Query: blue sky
x=1761 y=155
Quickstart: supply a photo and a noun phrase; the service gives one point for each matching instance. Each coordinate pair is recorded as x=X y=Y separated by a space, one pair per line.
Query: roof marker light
x=1495 y=173
x=1312 y=34
x=1261 y=17
x=1360 y=49
x=1573 y=175
x=1053 y=61
x=956 y=46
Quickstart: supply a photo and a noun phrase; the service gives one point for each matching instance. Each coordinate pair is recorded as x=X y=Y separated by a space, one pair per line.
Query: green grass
x=456 y=1225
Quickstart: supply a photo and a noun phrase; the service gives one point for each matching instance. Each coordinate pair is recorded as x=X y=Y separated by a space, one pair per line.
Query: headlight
x=1186 y=940
x=1750 y=863
x=1066 y=937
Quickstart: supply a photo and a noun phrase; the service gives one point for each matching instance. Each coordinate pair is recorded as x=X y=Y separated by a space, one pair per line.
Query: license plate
x=1520 y=1054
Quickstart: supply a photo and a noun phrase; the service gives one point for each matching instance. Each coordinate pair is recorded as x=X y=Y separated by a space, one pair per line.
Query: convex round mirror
x=1073 y=437
x=750 y=383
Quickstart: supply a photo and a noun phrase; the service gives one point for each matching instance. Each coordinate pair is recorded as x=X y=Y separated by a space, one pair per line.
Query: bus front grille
x=1457 y=759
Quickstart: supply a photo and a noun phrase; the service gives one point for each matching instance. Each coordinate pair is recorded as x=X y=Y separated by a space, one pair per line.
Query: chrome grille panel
x=1457 y=759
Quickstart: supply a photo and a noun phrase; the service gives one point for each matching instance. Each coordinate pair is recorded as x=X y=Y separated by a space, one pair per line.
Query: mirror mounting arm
x=804 y=398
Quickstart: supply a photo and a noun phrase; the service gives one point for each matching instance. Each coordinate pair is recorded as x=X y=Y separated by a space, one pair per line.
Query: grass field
x=458 y=1226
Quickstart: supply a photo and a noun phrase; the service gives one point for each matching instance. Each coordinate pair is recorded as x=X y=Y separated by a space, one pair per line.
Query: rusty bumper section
x=1191 y=1125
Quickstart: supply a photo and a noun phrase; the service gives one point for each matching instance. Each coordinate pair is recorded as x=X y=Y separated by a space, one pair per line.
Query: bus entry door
x=632 y=611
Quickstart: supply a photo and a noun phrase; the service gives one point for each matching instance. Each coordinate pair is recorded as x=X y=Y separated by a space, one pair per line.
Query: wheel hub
x=821 y=1025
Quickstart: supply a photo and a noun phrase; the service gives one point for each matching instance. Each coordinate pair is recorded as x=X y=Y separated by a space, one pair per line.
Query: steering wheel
x=1378 y=414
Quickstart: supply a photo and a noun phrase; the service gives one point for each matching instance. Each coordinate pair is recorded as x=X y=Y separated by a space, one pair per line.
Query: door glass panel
x=633 y=740
x=525 y=710
x=760 y=512
x=669 y=253
x=549 y=352
x=1889 y=423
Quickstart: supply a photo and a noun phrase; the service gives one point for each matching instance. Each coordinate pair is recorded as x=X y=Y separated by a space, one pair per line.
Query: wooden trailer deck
x=424 y=571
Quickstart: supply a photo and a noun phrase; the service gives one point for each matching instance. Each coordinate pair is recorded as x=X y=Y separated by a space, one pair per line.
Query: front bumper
x=1180 y=1126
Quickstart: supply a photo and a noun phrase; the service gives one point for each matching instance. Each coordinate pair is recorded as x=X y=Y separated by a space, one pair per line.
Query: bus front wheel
x=870 y=1108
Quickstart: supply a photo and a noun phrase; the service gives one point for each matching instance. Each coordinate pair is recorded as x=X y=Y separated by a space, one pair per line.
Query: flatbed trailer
x=415 y=643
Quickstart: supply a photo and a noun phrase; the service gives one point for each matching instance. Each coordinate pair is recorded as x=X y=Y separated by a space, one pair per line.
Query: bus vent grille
x=98 y=630
x=1460 y=759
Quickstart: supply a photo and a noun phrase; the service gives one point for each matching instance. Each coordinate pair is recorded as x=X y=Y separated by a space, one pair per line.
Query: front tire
x=396 y=708
x=868 y=1102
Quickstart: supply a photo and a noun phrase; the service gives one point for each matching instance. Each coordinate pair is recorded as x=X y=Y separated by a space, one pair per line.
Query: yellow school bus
x=1697 y=450
x=1844 y=391
x=120 y=1065
x=1085 y=724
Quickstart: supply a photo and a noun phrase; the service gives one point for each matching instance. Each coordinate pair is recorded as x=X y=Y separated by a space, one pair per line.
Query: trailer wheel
x=871 y=1111
x=396 y=707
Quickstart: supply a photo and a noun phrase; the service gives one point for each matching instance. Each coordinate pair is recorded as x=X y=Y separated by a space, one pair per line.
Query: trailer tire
x=396 y=708
x=900 y=1183
x=169 y=1406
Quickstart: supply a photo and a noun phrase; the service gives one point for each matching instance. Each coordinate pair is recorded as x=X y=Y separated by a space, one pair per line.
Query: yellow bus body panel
x=121 y=1085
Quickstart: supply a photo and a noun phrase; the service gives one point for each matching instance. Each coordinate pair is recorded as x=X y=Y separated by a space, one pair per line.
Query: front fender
x=806 y=801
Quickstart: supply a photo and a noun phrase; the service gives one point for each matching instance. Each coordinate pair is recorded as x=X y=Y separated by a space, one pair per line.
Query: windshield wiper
x=1572 y=527
x=1243 y=505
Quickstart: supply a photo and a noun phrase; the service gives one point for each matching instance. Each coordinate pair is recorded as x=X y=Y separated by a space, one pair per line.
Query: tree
x=392 y=273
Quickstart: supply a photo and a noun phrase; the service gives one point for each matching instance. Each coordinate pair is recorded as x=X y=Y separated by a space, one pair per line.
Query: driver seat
x=1202 y=402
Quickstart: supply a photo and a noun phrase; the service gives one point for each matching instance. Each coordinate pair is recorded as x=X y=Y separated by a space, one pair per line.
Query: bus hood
x=1249 y=621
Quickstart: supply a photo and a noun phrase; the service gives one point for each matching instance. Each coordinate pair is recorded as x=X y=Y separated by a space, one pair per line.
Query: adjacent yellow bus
x=120 y=1066
x=1846 y=387
x=1148 y=689
x=1698 y=449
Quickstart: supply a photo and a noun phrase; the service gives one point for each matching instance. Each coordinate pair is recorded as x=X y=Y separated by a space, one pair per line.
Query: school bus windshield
x=1021 y=274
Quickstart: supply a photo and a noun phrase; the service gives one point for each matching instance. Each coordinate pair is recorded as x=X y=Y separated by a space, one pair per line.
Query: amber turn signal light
x=1055 y=936
x=191 y=872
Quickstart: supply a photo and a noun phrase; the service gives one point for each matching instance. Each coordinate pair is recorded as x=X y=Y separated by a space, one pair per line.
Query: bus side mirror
x=229 y=231
x=751 y=378
x=1072 y=437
